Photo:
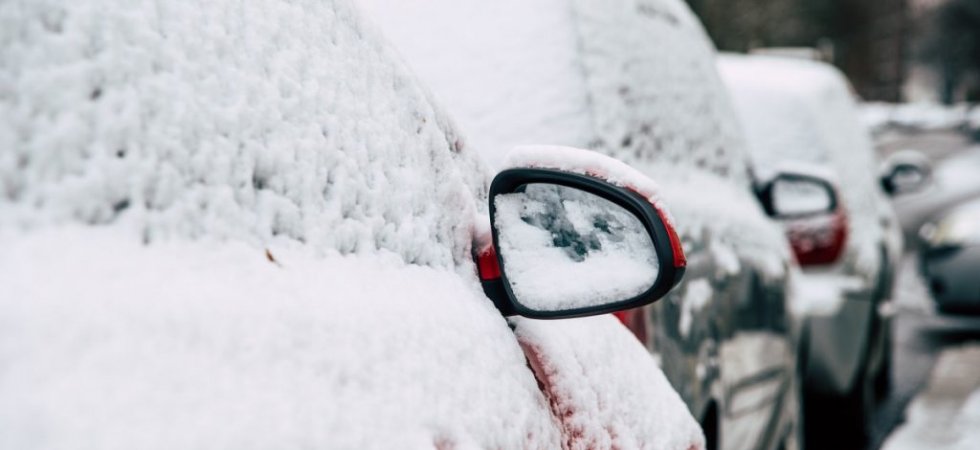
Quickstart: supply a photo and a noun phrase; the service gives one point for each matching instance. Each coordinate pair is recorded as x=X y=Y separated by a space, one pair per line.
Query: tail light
x=818 y=240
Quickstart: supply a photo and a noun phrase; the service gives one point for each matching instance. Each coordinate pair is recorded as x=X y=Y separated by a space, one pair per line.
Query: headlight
x=959 y=228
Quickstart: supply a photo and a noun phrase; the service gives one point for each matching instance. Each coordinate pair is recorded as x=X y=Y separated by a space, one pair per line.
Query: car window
x=655 y=93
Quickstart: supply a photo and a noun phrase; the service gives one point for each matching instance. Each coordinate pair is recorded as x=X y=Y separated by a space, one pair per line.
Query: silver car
x=801 y=111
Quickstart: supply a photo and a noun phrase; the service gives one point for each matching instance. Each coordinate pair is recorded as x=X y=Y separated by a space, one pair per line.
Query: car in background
x=950 y=258
x=235 y=226
x=801 y=112
x=924 y=189
x=636 y=81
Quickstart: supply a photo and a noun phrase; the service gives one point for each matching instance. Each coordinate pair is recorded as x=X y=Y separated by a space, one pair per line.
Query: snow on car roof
x=177 y=185
x=635 y=81
x=190 y=121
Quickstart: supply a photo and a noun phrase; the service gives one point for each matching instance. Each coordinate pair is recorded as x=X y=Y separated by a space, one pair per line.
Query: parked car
x=950 y=258
x=636 y=80
x=241 y=226
x=930 y=188
x=802 y=112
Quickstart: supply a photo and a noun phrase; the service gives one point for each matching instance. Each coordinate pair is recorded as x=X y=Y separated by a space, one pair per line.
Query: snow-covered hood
x=233 y=225
x=106 y=343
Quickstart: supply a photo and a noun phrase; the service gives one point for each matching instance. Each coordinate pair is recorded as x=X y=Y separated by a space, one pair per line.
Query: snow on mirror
x=563 y=249
x=800 y=197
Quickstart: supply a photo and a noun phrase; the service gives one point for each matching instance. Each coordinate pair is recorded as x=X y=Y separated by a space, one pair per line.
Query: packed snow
x=215 y=119
x=563 y=248
x=696 y=297
x=107 y=343
x=637 y=81
x=603 y=417
x=233 y=225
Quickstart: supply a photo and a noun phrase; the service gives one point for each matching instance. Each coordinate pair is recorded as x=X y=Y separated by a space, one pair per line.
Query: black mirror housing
x=498 y=286
x=769 y=195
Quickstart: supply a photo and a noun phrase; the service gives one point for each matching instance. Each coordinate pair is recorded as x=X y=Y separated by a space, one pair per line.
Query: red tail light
x=818 y=240
x=635 y=321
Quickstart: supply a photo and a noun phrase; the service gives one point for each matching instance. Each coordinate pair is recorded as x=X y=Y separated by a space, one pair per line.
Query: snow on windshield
x=212 y=120
x=563 y=248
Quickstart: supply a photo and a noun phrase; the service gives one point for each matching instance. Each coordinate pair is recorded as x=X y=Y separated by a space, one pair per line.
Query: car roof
x=633 y=80
x=200 y=126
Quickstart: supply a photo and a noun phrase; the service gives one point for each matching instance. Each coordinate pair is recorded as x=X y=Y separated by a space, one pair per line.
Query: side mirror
x=905 y=172
x=568 y=244
x=807 y=206
x=793 y=196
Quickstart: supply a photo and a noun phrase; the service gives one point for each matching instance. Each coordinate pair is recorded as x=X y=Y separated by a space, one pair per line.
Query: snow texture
x=697 y=295
x=803 y=111
x=217 y=119
x=564 y=249
x=604 y=417
x=633 y=79
x=235 y=225
x=107 y=343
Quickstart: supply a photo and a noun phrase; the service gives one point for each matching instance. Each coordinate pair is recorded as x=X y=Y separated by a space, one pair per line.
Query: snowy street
x=946 y=413
x=934 y=371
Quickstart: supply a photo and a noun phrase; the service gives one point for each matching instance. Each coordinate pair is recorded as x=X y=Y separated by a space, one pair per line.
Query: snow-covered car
x=802 y=112
x=929 y=189
x=950 y=258
x=231 y=225
x=636 y=80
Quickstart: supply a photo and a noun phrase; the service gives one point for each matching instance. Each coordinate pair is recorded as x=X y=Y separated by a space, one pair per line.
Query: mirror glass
x=800 y=197
x=564 y=248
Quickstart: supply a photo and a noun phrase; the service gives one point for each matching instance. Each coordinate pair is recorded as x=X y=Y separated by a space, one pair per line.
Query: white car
x=800 y=111
x=231 y=225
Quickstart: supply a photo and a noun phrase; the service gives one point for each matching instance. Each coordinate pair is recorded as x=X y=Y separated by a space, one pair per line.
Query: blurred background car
x=233 y=226
x=932 y=187
x=636 y=80
x=801 y=111
x=950 y=258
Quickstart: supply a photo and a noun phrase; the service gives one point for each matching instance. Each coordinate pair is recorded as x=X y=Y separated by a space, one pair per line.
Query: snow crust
x=584 y=162
x=634 y=80
x=220 y=119
x=603 y=417
x=564 y=249
x=245 y=225
x=107 y=343
x=640 y=82
x=803 y=111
